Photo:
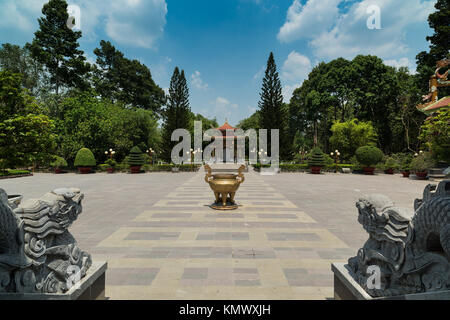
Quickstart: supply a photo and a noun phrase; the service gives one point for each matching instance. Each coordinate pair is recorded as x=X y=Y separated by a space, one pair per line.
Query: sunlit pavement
x=162 y=241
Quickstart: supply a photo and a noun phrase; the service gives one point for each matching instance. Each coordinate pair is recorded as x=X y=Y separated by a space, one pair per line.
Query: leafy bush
x=103 y=167
x=423 y=162
x=317 y=158
x=350 y=135
x=403 y=160
x=391 y=163
x=436 y=135
x=122 y=167
x=84 y=158
x=58 y=162
x=111 y=163
x=356 y=164
x=369 y=156
x=136 y=157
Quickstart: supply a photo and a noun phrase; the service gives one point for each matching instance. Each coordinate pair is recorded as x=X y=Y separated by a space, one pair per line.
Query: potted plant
x=405 y=166
x=136 y=160
x=84 y=161
x=369 y=156
x=421 y=164
x=58 y=163
x=390 y=165
x=316 y=160
x=111 y=165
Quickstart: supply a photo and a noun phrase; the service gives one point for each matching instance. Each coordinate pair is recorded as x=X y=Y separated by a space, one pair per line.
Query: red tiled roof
x=432 y=106
x=226 y=126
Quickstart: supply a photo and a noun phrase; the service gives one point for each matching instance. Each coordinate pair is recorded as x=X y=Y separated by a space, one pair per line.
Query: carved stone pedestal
x=346 y=288
x=91 y=287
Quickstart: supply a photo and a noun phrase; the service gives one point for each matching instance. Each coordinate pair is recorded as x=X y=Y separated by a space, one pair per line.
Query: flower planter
x=135 y=169
x=369 y=171
x=389 y=171
x=422 y=175
x=110 y=170
x=406 y=174
x=57 y=171
x=84 y=170
x=315 y=170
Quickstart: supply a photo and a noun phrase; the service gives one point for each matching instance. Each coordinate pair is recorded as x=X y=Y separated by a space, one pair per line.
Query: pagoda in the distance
x=229 y=139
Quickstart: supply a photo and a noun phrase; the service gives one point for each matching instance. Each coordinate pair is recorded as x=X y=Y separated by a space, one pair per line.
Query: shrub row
x=303 y=167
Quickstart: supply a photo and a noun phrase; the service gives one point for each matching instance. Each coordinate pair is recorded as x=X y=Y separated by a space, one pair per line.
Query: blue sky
x=223 y=45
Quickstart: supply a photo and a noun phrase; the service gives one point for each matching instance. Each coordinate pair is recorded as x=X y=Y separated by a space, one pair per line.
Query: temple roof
x=226 y=126
x=432 y=107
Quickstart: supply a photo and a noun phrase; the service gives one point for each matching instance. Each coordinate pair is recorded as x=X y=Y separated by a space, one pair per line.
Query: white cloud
x=308 y=20
x=333 y=34
x=259 y=74
x=136 y=23
x=223 y=108
x=20 y=14
x=197 y=82
x=293 y=72
x=402 y=62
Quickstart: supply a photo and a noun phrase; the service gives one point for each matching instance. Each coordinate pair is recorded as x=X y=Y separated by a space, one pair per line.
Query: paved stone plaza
x=162 y=241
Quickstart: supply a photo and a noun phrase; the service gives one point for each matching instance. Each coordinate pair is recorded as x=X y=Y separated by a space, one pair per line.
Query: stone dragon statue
x=37 y=252
x=411 y=249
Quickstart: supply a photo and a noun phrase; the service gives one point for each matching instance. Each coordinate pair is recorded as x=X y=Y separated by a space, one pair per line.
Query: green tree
x=436 y=135
x=56 y=47
x=272 y=111
x=99 y=124
x=206 y=123
x=26 y=135
x=177 y=114
x=16 y=59
x=252 y=122
x=120 y=79
x=439 y=21
x=350 y=135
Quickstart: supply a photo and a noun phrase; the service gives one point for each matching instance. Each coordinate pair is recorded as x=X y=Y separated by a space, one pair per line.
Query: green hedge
x=12 y=172
x=169 y=167
x=85 y=158
x=302 y=167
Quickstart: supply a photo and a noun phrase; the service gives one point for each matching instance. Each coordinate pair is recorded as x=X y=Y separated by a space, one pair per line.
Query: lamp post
x=151 y=153
x=303 y=154
x=336 y=154
x=111 y=153
x=198 y=151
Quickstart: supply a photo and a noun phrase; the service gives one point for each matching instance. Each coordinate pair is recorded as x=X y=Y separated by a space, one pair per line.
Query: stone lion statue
x=37 y=252
x=411 y=249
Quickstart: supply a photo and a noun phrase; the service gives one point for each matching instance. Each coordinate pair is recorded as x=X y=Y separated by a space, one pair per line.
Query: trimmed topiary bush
x=317 y=160
x=85 y=158
x=369 y=156
x=136 y=159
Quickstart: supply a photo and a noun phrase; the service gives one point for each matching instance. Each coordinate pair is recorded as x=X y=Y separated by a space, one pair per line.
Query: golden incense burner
x=224 y=187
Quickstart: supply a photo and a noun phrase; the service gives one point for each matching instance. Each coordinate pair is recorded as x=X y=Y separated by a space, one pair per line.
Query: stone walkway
x=162 y=241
